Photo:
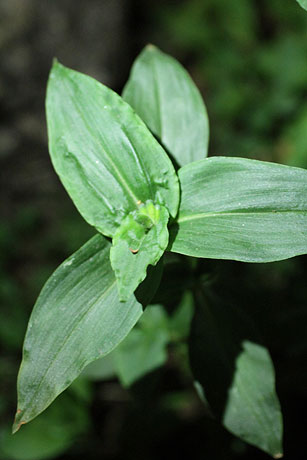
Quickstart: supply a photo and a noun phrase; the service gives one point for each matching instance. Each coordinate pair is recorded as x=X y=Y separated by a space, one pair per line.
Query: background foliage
x=249 y=60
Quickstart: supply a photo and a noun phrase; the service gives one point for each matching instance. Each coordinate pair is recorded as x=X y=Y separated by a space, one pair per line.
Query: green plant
x=125 y=185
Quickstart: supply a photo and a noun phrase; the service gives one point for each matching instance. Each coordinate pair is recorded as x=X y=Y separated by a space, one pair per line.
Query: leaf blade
x=164 y=95
x=83 y=295
x=246 y=210
x=105 y=156
x=236 y=374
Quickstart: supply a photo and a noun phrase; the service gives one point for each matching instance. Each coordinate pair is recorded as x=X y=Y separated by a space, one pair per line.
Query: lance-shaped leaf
x=105 y=156
x=247 y=210
x=77 y=318
x=303 y=4
x=234 y=371
x=164 y=95
x=140 y=241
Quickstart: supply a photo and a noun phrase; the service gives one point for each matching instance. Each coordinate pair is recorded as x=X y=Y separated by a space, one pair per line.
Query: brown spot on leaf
x=19 y=425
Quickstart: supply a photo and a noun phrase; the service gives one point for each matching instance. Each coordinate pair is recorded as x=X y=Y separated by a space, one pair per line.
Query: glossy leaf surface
x=236 y=374
x=105 y=156
x=164 y=95
x=77 y=318
x=247 y=210
x=140 y=241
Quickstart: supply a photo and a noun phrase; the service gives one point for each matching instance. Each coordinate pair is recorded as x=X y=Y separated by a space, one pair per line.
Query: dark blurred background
x=249 y=59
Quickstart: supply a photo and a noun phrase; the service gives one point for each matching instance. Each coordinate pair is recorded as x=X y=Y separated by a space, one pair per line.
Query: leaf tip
x=18 y=422
x=150 y=47
x=56 y=64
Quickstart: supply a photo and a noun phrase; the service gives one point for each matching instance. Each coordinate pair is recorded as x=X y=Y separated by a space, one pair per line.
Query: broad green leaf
x=236 y=374
x=107 y=159
x=144 y=349
x=140 y=240
x=303 y=4
x=247 y=210
x=164 y=95
x=77 y=318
